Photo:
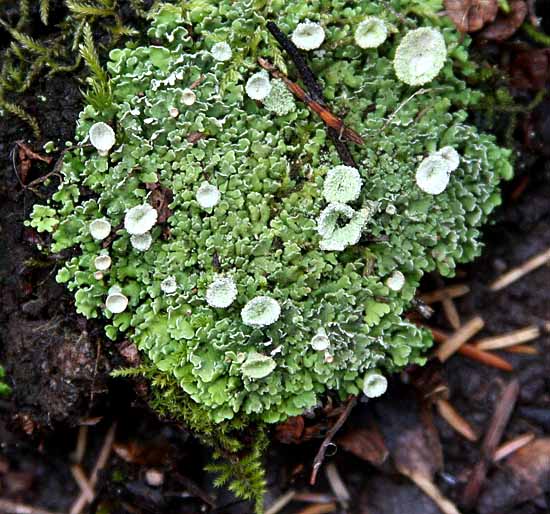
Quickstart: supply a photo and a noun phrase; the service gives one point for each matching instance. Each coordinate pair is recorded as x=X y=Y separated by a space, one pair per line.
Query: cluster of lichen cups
x=258 y=292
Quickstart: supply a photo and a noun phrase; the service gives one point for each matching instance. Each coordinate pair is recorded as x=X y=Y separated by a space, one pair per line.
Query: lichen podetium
x=260 y=287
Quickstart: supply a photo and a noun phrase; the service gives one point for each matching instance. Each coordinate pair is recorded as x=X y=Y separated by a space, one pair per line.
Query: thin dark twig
x=320 y=457
x=329 y=118
x=314 y=88
x=342 y=148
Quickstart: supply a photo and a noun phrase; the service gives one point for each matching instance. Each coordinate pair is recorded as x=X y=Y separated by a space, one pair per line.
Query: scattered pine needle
x=309 y=497
x=459 y=337
x=431 y=490
x=439 y=295
x=280 y=503
x=503 y=411
x=329 y=118
x=512 y=446
x=9 y=507
x=320 y=508
x=525 y=349
x=102 y=459
x=455 y=420
x=337 y=484
x=516 y=273
x=82 y=481
x=487 y=358
x=320 y=457
x=516 y=337
x=451 y=313
x=81 y=444
x=471 y=352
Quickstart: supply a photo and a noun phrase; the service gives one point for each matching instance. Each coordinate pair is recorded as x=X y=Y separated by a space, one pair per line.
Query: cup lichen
x=309 y=308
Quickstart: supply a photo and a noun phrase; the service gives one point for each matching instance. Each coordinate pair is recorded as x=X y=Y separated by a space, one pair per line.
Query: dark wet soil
x=58 y=366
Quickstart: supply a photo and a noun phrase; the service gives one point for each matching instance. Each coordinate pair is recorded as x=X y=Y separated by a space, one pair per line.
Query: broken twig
x=320 y=457
x=330 y=119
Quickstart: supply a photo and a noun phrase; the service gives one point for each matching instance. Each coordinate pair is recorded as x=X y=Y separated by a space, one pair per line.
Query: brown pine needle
x=83 y=482
x=102 y=459
x=320 y=508
x=431 y=490
x=330 y=119
x=501 y=416
x=451 y=416
x=337 y=484
x=513 y=338
x=487 y=358
x=9 y=507
x=280 y=503
x=471 y=352
x=524 y=349
x=459 y=337
x=320 y=457
x=449 y=308
x=516 y=273
x=81 y=444
x=439 y=295
x=512 y=446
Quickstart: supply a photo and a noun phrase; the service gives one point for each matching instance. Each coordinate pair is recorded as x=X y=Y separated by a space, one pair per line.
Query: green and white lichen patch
x=261 y=311
x=102 y=137
x=342 y=184
x=221 y=293
x=258 y=86
x=433 y=174
x=420 y=56
x=282 y=294
x=371 y=32
x=308 y=35
x=279 y=100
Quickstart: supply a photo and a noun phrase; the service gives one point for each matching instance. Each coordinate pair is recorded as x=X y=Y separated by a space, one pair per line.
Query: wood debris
x=512 y=446
x=516 y=337
x=516 y=273
x=471 y=352
x=453 y=418
x=459 y=337
x=454 y=291
x=501 y=416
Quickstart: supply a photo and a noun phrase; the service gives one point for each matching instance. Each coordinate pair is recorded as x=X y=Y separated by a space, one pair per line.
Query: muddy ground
x=58 y=365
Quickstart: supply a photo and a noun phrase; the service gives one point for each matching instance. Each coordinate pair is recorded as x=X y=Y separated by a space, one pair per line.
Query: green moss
x=267 y=230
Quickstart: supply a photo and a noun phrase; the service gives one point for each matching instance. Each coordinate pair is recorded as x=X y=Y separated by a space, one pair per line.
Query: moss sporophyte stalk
x=276 y=273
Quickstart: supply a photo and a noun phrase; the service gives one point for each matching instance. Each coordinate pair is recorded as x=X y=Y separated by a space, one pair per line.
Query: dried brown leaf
x=531 y=70
x=291 y=431
x=524 y=476
x=366 y=443
x=471 y=15
x=506 y=26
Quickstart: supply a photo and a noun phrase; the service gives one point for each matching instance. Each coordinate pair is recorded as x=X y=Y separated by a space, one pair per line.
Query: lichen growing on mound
x=305 y=311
